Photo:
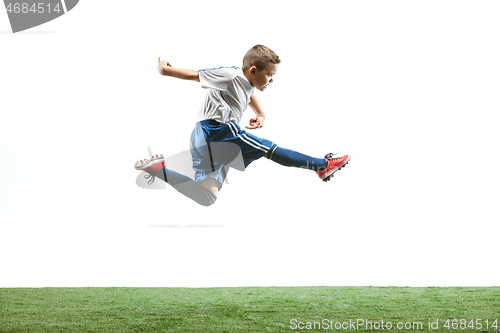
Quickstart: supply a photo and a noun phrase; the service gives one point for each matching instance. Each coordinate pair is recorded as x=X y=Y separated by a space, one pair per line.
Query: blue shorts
x=215 y=147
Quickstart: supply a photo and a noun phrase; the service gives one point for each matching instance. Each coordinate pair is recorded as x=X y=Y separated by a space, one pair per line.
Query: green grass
x=269 y=309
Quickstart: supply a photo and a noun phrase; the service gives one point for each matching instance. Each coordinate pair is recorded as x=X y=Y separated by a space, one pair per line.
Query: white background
x=409 y=89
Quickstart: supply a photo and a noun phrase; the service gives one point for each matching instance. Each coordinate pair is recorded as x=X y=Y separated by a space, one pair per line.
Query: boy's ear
x=253 y=70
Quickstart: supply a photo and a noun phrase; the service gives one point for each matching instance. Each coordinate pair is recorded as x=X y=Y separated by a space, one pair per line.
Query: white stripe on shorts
x=231 y=128
x=248 y=141
x=257 y=143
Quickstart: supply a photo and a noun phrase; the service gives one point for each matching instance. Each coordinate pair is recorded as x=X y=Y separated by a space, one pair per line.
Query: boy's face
x=261 y=79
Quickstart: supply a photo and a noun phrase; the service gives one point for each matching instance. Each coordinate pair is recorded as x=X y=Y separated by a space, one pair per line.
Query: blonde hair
x=259 y=56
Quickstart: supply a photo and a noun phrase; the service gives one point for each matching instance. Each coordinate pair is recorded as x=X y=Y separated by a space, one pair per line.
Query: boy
x=217 y=141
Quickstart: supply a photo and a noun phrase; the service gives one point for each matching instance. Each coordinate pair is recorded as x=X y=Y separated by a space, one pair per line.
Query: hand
x=162 y=63
x=256 y=122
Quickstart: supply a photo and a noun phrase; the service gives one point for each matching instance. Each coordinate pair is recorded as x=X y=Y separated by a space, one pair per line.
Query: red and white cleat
x=154 y=166
x=334 y=165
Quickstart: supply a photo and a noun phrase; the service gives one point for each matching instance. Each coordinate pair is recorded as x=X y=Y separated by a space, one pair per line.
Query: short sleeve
x=217 y=78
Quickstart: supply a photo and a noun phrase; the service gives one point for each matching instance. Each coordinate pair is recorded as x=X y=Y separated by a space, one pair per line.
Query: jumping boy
x=217 y=140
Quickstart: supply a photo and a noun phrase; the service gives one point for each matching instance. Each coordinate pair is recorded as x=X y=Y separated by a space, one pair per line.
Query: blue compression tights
x=292 y=158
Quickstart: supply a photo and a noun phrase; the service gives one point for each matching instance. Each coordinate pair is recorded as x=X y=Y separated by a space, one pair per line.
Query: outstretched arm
x=164 y=68
x=258 y=121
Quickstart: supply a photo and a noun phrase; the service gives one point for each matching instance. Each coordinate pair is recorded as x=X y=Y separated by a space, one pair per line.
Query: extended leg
x=202 y=193
x=292 y=158
x=324 y=167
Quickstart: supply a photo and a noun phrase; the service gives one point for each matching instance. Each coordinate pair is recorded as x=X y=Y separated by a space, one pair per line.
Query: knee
x=208 y=198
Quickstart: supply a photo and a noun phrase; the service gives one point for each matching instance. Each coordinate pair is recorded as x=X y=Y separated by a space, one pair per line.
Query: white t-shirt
x=228 y=95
